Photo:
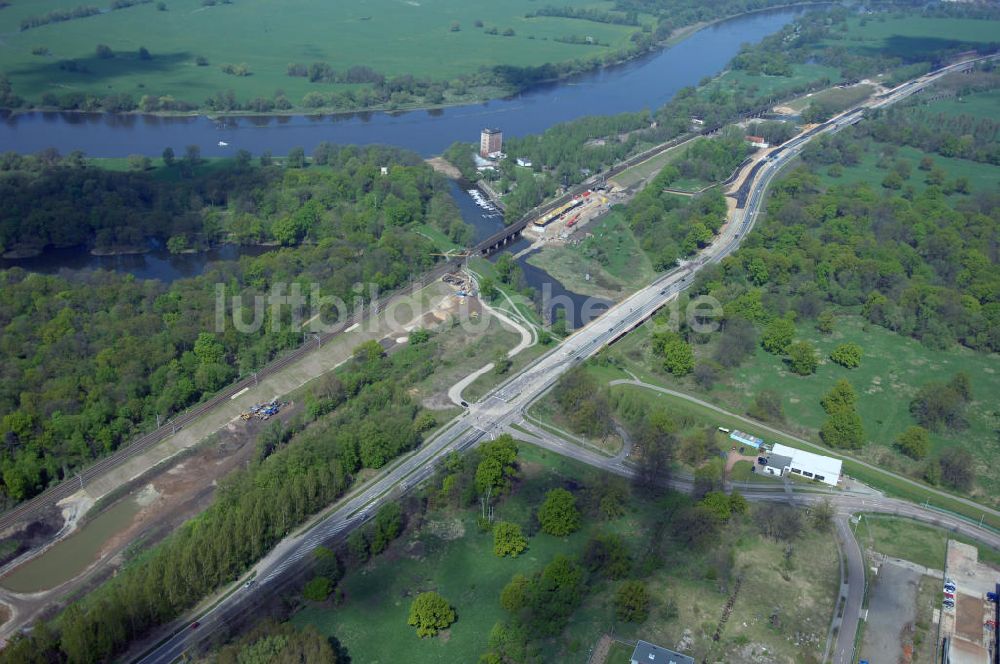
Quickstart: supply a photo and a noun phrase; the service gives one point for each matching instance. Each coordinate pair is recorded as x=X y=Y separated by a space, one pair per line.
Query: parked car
x=949 y=586
x=992 y=597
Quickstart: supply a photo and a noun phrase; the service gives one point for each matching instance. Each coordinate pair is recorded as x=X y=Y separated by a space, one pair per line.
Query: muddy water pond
x=73 y=555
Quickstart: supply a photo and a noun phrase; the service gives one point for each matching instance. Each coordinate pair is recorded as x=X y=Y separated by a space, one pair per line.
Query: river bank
x=643 y=83
x=479 y=94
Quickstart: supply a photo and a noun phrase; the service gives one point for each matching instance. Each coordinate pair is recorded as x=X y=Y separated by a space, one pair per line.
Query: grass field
x=448 y=554
x=980 y=105
x=633 y=176
x=892 y=370
x=465 y=352
x=910 y=37
x=776 y=86
x=394 y=37
x=839 y=98
x=911 y=540
x=611 y=256
x=981 y=177
x=619 y=654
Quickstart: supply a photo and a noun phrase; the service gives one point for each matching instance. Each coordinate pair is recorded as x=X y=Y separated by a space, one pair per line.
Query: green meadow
x=979 y=105
x=607 y=251
x=910 y=37
x=982 y=177
x=776 y=86
x=892 y=370
x=394 y=37
x=447 y=553
x=914 y=541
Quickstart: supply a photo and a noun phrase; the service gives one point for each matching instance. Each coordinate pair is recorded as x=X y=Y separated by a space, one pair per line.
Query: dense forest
x=52 y=201
x=922 y=265
x=360 y=417
x=92 y=359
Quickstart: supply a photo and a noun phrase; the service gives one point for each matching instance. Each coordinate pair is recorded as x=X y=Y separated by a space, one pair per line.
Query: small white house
x=817 y=467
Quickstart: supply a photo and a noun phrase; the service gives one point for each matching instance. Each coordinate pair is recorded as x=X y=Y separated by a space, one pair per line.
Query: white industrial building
x=783 y=459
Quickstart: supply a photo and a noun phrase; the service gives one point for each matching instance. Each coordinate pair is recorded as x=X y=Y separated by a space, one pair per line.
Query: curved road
x=845 y=504
x=505 y=404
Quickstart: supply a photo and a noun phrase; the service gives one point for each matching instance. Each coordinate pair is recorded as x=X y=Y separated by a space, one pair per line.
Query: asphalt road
x=505 y=404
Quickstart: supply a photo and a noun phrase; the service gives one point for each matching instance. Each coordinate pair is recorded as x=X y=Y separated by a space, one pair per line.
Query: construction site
x=560 y=225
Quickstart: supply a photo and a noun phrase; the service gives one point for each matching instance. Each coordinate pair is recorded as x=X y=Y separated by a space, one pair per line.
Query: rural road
x=505 y=404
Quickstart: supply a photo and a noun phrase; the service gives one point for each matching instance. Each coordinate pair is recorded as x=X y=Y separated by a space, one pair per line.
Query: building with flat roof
x=776 y=464
x=647 y=653
x=490 y=142
x=812 y=466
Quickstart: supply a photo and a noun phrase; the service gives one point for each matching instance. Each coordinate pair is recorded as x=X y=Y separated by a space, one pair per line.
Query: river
x=644 y=83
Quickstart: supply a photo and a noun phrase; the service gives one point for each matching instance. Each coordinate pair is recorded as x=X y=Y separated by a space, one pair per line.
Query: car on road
x=195 y=624
x=465 y=404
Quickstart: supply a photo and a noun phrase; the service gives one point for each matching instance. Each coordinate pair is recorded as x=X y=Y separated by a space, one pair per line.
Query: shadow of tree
x=98 y=70
x=921 y=49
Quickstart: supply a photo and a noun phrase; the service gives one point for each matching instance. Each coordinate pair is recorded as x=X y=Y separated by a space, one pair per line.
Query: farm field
x=448 y=554
x=892 y=370
x=392 y=37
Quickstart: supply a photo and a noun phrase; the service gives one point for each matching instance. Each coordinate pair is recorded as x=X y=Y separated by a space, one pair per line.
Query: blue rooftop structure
x=647 y=653
x=746 y=439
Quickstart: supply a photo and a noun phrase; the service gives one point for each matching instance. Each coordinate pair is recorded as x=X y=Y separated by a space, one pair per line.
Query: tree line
x=359 y=418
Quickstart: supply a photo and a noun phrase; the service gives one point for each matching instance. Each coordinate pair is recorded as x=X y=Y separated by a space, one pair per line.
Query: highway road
x=505 y=405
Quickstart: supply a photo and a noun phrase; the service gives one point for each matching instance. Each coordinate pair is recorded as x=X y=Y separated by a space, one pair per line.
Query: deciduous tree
x=559 y=515
x=508 y=540
x=632 y=602
x=430 y=613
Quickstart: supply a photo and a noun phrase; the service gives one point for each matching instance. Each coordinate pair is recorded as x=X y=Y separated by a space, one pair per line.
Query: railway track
x=30 y=509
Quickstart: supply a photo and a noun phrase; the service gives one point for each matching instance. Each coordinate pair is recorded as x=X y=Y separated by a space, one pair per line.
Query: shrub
x=847 y=355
